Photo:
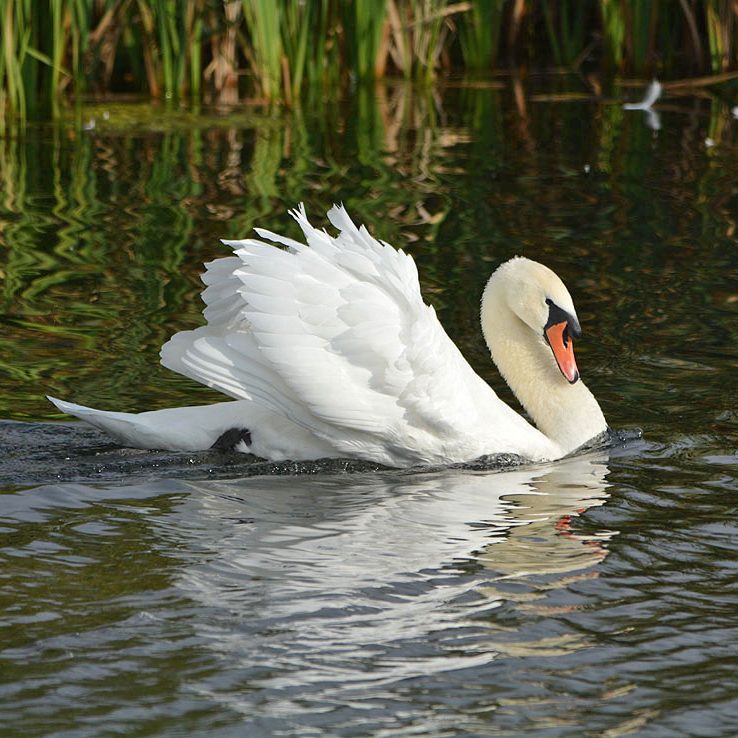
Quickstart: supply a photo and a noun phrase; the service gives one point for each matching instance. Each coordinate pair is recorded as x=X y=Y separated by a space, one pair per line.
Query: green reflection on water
x=103 y=231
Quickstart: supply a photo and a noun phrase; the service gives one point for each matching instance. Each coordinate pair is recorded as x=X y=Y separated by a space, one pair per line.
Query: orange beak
x=562 y=346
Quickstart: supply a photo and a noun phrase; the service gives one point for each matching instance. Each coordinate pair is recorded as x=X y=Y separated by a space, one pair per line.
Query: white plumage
x=329 y=350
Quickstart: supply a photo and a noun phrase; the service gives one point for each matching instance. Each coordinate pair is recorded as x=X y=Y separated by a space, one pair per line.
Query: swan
x=329 y=350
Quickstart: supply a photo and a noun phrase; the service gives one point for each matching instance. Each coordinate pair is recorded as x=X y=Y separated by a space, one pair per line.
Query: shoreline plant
x=273 y=51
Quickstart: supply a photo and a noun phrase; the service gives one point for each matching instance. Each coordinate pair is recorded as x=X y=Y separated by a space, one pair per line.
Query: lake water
x=161 y=594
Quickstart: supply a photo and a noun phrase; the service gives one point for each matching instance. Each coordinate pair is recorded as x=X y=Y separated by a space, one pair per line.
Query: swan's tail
x=173 y=429
x=239 y=425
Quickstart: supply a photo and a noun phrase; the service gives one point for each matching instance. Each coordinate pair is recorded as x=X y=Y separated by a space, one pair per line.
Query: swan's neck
x=567 y=413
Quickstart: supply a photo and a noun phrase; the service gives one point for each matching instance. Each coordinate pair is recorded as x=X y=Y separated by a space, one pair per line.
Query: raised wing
x=334 y=336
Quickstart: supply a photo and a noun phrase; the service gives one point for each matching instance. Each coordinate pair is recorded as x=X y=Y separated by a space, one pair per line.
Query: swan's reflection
x=345 y=581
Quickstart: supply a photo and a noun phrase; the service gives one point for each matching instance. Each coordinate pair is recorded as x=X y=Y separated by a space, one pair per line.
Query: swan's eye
x=549 y=301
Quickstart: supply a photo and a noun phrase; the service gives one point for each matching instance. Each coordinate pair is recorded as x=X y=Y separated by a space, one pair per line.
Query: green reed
x=418 y=33
x=17 y=70
x=283 y=50
x=613 y=31
x=566 y=26
x=721 y=31
x=265 y=43
x=479 y=34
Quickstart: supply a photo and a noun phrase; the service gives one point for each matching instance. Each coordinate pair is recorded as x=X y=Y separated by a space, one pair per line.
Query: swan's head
x=539 y=298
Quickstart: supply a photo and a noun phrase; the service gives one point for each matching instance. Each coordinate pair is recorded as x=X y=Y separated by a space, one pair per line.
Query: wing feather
x=335 y=336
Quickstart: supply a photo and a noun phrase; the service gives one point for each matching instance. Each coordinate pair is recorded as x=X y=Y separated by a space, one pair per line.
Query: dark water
x=171 y=594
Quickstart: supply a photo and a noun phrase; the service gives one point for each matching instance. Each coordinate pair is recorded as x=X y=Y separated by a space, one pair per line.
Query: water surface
x=173 y=594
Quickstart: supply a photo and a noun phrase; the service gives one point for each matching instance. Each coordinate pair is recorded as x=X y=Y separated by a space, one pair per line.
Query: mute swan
x=330 y=351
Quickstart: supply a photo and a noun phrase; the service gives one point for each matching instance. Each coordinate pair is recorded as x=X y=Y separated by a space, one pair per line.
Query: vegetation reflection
x=103 y=231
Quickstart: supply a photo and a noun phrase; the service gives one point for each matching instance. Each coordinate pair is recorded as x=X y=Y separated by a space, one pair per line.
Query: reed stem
x=280 y=50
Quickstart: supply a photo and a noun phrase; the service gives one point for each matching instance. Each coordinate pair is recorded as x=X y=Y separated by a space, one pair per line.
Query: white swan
x=330 y=351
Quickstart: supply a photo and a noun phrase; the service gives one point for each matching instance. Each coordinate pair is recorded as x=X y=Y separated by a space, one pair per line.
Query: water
x=208 y=594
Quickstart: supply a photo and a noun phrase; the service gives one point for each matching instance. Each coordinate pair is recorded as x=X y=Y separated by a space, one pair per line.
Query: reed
x=417 y=34
x=364 y=23
x=265 y=47
x=721 y=30
x=282 y=51
x=17 y=66
x=479 y=34
x=613 y=32
x=296 y=26
x=640 y=17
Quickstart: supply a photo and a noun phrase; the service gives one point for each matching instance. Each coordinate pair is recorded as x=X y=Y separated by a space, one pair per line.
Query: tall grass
x=417 y=34
x=567 y=29
x=613 y=32
x=265 y=48
x=54 y=51
x=479 y=34
x=721 y=32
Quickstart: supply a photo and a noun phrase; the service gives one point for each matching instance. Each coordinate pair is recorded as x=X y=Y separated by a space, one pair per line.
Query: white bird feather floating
x=328 y=350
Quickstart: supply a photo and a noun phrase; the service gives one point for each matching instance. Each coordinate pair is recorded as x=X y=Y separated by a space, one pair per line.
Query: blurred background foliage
x=225 y=51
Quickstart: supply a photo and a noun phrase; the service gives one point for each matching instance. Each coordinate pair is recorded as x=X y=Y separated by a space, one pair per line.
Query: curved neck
x=568 y=414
